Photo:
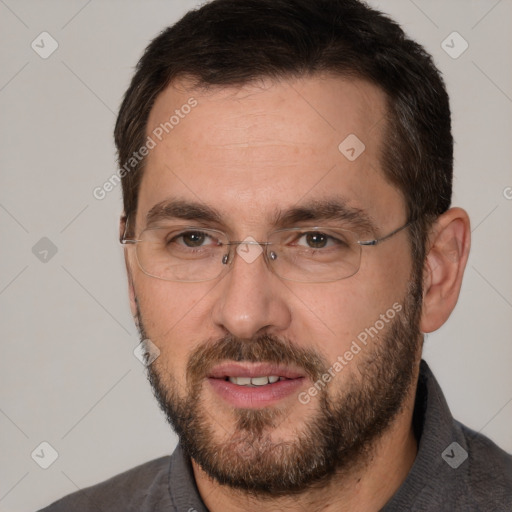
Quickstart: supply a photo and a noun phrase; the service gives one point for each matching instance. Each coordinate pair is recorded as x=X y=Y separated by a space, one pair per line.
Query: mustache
x=264 y=348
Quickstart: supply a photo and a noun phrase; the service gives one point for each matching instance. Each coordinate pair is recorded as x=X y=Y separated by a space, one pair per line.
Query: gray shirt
x=456 y=469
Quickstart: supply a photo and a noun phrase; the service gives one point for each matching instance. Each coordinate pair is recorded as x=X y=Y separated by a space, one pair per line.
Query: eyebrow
x=179 y=209
x=328 y=209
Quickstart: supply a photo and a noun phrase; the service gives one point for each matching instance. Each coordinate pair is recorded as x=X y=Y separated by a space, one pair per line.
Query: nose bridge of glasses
x=248 y=242
x=249 y=256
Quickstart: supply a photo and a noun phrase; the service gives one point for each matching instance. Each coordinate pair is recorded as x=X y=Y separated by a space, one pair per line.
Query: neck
x=368 y=486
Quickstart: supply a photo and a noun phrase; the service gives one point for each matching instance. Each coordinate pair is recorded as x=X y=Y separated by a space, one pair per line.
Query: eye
x=317 y=240
x=194 y=239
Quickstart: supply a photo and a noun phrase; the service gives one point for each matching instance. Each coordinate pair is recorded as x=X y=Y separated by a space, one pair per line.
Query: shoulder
x=489 y=471
x=139 y=488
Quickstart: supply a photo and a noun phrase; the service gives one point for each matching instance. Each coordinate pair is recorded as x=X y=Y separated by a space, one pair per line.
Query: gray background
x=68 y=374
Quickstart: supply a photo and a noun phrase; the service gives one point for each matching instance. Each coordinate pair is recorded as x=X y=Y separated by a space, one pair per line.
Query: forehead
x=249 y=150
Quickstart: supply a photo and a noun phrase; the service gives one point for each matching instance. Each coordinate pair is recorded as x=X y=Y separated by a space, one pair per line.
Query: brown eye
x=316 y=240
x=193 y=239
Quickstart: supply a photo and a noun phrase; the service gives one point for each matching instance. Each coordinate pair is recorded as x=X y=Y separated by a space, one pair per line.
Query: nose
x=250 y=299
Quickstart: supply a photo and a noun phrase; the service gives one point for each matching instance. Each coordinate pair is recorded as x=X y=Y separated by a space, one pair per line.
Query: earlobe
x=449 y=245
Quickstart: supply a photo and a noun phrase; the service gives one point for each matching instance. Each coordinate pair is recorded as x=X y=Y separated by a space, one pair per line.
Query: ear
x=131 y=289
x=448 y=251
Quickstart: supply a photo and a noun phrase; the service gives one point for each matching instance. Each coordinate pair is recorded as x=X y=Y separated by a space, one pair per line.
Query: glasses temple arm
x=378 y=240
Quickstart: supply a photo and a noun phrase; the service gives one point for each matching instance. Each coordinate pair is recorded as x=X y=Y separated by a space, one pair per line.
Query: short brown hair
x=234 y=42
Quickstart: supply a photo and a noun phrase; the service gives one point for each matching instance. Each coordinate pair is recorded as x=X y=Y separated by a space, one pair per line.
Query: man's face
x=250 y=153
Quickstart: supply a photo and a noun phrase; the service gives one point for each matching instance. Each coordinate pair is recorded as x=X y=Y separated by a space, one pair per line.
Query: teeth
x=259 y=381
x=241 y=381
x=255 y=381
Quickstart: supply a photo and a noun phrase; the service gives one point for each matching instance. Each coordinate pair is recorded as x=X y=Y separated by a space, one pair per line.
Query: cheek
x=170 y=315
x=346 y=309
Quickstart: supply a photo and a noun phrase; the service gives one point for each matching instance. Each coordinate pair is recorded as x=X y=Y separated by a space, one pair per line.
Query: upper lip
x=232 y=369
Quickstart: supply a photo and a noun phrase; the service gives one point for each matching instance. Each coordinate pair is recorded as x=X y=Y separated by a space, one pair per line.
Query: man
x=287 y=170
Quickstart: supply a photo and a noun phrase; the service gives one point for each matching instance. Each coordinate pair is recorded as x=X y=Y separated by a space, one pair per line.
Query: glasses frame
x=371 y=243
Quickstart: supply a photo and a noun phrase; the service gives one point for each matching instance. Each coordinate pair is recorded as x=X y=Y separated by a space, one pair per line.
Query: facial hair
x=336 y=439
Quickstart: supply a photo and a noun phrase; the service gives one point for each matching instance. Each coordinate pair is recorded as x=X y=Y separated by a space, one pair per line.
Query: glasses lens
x=314 y=254
x=182 y=253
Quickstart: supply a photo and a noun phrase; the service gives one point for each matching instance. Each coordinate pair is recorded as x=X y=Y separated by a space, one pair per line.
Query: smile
x=254 y=385
x=254 y=381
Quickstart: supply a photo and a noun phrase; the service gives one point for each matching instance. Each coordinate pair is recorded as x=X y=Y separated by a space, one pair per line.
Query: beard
x=335 y=439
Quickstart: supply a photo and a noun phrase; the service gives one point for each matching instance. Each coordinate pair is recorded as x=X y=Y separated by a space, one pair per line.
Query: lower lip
x=258 y=396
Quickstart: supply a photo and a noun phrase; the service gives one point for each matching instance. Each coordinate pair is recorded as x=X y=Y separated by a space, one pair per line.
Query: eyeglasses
x=194 y=254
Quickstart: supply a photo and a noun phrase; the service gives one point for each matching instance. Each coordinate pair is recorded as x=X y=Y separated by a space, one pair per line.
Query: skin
x=246 y=151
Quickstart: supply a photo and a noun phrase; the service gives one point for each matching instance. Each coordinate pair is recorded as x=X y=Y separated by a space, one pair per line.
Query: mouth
x=255 y=381
x=254 y=385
